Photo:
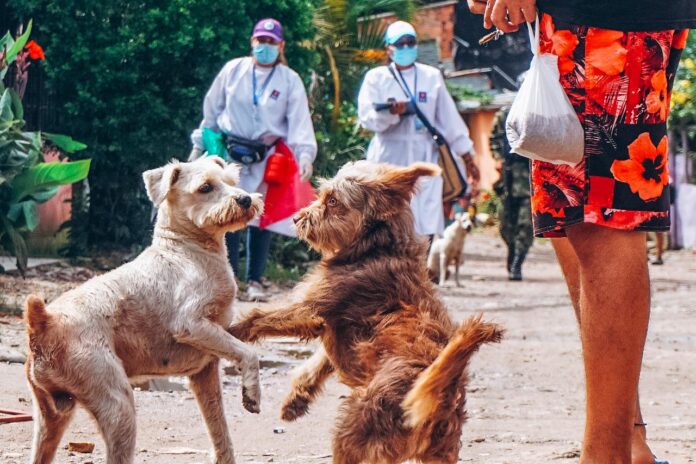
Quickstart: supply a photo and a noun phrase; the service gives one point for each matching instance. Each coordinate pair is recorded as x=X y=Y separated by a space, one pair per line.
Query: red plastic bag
x=286 y=193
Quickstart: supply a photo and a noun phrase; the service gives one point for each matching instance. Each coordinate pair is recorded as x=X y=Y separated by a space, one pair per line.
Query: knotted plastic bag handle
x=534 y=39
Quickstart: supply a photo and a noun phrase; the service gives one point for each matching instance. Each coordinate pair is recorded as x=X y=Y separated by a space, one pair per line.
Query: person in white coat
x=260 y=99
x=400 y=138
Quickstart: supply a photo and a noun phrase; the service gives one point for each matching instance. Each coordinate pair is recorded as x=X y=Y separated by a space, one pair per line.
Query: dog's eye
x=332 y=202
x=205 y=188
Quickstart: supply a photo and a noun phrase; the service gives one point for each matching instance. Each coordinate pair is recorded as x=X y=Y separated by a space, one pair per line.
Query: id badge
x=418 y=124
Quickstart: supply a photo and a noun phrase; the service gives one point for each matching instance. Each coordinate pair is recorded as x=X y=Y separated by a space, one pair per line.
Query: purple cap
x=268 y=27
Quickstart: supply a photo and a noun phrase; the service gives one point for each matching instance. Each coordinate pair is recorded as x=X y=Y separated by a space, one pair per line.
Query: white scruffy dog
x=165 y=313
x=449 y=249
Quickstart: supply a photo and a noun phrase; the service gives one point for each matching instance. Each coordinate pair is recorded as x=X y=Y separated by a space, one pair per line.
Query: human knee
x=598 y=245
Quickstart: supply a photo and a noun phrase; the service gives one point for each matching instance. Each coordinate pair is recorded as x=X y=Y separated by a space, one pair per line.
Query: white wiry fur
x=165 y=313
x=449 y=249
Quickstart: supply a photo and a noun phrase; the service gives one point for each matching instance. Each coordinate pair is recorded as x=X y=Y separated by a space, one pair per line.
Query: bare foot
x=640 y=451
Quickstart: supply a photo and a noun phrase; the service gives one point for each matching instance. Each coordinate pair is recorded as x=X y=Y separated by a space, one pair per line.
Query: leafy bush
x=131 y=77
x=25 y=180
x=683 y=102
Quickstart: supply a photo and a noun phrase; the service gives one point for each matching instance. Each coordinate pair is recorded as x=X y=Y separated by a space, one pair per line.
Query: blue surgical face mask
x=266 y=53
x=405 y=56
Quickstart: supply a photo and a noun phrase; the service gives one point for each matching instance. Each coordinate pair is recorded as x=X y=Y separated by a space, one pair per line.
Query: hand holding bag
x=542 y=124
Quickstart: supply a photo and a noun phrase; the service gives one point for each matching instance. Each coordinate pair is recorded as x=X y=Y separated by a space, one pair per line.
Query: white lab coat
x=398 y=141
x=282 y=111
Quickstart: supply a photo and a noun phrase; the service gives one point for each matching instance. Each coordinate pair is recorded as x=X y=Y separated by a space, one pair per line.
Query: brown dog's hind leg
x=371 y=427
x=52 y=414
x=307 y=384
x=205 y=386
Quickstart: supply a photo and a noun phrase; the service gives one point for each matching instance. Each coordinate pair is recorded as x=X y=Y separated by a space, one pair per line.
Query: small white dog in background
x=449 y=249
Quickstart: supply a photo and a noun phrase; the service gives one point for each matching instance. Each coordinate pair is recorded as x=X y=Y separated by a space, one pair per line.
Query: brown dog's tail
x=35 y=315
x=424 y=398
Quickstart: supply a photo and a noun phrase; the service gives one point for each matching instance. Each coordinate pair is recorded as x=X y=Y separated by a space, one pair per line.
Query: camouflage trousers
x=516 y=224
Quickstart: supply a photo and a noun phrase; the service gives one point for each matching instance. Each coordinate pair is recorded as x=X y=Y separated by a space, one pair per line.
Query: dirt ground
x=525 y=398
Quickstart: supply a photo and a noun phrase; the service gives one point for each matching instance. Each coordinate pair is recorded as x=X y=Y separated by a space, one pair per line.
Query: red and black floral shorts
x=619 y=84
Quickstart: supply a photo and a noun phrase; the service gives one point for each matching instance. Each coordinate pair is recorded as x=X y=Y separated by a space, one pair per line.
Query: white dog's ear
x=159 y=181
x=457 y=216
x=231 y=173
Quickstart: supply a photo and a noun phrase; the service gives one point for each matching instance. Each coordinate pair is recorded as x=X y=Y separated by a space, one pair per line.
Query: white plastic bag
x=542 y=124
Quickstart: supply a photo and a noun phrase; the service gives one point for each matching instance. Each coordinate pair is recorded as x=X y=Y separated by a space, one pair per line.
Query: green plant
x=25 y=180
x=464 y=92
x=489 y=203
x=349 y=39
x=131 y=84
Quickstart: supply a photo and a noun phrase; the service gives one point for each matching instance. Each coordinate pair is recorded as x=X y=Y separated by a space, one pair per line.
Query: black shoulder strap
x=437 y=136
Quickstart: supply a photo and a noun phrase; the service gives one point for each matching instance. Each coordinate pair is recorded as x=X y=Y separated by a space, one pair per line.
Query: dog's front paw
x=293 y=407
x=245 y=330
x=313 y=329
x=251 y=399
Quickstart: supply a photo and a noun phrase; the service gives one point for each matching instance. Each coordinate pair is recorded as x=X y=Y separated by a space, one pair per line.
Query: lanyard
x=256 y=95
x=404 y=85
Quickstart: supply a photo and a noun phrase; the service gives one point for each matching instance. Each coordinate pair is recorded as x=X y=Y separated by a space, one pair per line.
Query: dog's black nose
x=244 y=202
x=295 y=219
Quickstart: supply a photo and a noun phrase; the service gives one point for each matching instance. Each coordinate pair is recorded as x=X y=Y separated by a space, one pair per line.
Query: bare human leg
x=568 y=260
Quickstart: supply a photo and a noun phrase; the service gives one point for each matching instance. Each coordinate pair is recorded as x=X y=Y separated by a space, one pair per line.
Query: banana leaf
x=65 y=142
x=45 y=175
x=18 y=44
x=24 y=215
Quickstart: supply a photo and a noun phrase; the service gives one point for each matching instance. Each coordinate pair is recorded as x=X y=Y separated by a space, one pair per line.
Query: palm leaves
x=350 y=38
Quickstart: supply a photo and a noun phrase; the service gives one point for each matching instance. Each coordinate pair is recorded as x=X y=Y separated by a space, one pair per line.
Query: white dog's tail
x=427 y=393
x=35 y=315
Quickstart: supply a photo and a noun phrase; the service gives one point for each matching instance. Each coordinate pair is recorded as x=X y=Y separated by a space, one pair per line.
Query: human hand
x=305 y=166
x=471 y=169
x=397 y=107
x=477 y=6
x=506 y=15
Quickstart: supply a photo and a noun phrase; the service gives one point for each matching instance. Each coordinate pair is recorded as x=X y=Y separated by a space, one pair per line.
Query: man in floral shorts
x=617 y=61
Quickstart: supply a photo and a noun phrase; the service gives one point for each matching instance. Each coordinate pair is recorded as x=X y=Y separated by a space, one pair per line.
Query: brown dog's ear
x=393 y=187
x=403 y=180
x=159 y=181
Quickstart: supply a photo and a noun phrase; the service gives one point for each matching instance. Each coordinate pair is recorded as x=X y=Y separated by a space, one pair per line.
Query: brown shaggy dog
x=384 y=330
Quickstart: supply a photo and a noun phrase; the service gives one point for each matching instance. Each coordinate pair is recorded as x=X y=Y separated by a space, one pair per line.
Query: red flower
x=656 y=100
x=560 y=43
x=35 y=51
x=645 y=171
x=554 y=187
x=606 y=51
x=620 y=219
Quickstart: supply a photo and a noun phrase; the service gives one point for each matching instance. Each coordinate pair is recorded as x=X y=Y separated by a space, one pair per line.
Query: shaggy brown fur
x=384 y=331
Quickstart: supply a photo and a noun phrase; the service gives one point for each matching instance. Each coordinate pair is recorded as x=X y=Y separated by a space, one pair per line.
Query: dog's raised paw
x=294 y=408
x=249 y=403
